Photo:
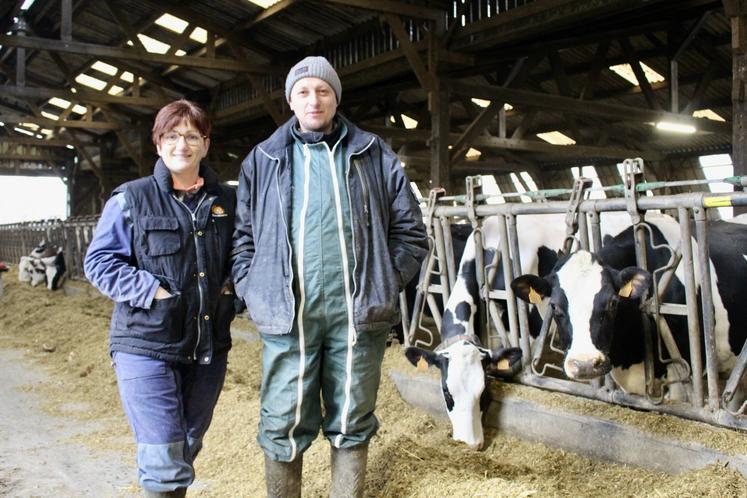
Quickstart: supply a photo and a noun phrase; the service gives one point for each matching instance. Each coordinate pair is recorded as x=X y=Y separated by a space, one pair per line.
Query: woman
x=161 y=251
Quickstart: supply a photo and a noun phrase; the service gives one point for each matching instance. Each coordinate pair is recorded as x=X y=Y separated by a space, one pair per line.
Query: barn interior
x=528 y=93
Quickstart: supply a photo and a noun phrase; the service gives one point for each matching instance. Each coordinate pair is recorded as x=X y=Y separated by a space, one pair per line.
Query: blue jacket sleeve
x=108 y=264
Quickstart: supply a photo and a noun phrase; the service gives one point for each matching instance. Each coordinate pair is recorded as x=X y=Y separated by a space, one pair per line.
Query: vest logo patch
x=218 y=211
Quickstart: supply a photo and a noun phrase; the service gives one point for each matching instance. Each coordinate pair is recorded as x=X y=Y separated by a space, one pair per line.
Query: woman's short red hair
x=174 y=113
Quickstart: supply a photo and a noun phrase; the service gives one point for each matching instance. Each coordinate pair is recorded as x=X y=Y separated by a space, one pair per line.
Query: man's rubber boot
x=283 y=479
x=177 y=493
x=348 y=472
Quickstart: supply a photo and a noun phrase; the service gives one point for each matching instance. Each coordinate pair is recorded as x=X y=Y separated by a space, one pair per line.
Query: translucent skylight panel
x=172 y=23
x=25 y=132
x=707 y=113
x=556 y=138
x=90 y=81
x=152 y=45
x=409 y=122
x=473 y=154
x=49 y=115
x=104 y=68
x=199 y=35
x=58 y=102
x=115 y=90
x=626 y=72
x=128 y=77
x=264 y=3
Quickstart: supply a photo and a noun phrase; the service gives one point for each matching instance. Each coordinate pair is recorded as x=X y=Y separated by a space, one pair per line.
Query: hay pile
x=412 y=456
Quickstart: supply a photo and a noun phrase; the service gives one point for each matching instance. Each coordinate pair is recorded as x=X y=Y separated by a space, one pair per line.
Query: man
x=327 y=233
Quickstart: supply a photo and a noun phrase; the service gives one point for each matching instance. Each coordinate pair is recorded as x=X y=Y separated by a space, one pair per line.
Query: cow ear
x=633 y=283
x=422 y=357
x=531 y=288
x=504 y=363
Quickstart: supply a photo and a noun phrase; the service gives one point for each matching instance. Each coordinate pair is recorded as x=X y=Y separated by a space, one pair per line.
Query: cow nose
x=585 y=368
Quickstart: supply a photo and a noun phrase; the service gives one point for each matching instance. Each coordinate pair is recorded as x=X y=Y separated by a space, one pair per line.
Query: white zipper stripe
x=348 y=296
x=302 y=301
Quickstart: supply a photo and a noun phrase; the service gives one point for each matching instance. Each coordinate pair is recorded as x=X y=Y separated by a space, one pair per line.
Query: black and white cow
x=460 y=357
x=596 y=301
x=46 y=263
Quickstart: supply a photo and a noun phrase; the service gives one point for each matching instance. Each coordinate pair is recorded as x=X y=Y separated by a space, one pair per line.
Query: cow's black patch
x=449 y=328
x=546 y=259
x=463 y=311
x=467 y=273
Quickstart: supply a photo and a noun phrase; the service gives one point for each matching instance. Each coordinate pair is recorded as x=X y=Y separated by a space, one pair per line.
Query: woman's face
x=182 y=148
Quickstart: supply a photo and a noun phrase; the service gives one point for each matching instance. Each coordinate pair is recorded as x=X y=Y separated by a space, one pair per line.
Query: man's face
x=314 y=103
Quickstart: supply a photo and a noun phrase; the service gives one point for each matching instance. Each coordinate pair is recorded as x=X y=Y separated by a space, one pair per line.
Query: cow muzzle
x=581 y=368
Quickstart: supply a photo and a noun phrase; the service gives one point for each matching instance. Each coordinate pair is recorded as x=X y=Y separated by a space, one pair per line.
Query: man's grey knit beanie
x=313 y=67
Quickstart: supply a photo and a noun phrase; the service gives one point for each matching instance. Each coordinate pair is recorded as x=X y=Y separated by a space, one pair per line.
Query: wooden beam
x=421 y=73
x=36 y=142
x=133 y=54
x=136 y=157
x=265 y=14
x=82 y=96
x=392 y=7
x=34 y=157
x=537 y=146
x=569 y=105
x=643 y=82
x=51 y=123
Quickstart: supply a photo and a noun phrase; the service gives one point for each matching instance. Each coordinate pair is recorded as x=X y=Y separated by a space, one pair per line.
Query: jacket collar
x=276 y=144
x=162 y=176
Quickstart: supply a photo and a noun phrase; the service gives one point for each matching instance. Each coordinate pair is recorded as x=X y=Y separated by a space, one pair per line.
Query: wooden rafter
x=133 y=54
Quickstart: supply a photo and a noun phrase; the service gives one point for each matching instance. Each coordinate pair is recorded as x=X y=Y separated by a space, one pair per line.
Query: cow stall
x=709 y=397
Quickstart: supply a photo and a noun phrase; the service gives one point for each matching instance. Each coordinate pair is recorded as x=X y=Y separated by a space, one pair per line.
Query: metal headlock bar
x=425 y=291
x=705 y=401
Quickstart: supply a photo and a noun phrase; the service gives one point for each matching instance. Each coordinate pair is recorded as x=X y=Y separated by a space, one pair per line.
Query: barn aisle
x=61 y=423
x=41 y=455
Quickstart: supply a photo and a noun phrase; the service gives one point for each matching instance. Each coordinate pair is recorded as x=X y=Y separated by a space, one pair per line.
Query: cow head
x=585 y=294
x=462 y=362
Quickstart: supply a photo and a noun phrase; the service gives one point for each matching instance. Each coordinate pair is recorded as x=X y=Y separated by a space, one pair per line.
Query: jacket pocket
x=161 y=235
x=163 y=322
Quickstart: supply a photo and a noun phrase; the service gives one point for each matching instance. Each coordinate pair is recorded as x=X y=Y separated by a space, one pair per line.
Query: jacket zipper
x=347 y=185
x=364 y=184
x=199 y=286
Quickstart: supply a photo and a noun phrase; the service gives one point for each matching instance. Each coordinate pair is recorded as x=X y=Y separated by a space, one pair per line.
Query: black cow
x=596 y=301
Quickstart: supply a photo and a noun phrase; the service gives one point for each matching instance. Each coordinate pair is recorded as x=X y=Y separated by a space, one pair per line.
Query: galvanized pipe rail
x=73 y=235
x=689 y=206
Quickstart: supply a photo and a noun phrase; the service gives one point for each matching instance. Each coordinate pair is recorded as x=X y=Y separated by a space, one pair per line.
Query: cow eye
x=557 y=310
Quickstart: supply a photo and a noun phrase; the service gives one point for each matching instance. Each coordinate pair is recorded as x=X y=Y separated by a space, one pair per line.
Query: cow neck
x=471 y=338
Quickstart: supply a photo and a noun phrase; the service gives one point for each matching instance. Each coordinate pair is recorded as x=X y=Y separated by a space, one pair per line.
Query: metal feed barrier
x=73 y=235
x=710 y=399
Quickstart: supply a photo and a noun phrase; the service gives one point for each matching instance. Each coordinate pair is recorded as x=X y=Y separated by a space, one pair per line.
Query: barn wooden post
x=737 y=11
